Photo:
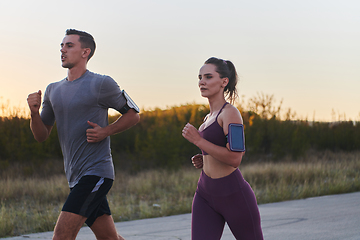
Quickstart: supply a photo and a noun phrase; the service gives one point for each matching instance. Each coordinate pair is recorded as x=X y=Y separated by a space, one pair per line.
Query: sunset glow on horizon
x=304 y=53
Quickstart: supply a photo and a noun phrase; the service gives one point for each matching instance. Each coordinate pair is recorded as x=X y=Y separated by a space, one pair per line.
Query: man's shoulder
x=55 y=84
x=97 y=75
x=103 y=81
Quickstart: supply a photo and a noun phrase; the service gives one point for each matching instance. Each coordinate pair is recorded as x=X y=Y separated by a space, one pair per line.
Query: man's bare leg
x=68 y=225
x=104 y=228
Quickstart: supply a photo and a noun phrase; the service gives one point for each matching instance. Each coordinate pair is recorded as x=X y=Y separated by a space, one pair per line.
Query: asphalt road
x=330 y=217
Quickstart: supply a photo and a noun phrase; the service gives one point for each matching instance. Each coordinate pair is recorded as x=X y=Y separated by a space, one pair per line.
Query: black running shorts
x=88 y=198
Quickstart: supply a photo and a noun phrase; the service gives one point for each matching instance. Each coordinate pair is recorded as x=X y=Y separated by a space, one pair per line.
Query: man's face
x=71 y=51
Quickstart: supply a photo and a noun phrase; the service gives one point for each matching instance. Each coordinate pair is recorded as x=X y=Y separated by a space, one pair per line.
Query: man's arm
x=40 y=131
x=124 y=122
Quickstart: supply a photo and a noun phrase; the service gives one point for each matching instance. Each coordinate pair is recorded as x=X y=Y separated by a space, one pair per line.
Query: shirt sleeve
x=110 y=95
x=47 y=112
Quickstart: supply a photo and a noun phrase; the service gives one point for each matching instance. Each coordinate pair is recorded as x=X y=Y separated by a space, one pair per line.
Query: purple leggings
x=229 y=199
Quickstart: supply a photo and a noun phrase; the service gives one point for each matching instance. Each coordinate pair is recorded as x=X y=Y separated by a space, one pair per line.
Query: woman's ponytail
x=226 y=68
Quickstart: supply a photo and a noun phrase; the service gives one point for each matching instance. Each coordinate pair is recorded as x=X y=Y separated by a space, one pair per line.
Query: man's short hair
x=86 y=40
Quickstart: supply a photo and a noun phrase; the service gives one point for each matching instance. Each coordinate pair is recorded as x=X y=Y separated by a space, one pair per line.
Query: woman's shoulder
x=231 y=109
x=231 y=114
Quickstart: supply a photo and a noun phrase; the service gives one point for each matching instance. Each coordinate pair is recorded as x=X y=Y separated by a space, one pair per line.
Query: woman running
x=222 y=194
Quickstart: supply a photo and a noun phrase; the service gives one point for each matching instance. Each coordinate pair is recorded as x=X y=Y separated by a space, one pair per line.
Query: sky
x=306 y=53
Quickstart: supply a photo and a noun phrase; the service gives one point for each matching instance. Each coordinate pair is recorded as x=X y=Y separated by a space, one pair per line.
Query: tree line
x=156 y=141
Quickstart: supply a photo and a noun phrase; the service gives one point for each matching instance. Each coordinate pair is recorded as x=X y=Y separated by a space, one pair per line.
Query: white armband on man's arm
x=129 y=104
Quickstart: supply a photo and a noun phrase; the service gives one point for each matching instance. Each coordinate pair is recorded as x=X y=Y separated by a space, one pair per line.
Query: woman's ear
x=225 y=82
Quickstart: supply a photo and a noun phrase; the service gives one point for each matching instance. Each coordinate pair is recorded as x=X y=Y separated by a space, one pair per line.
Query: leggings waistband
x=221 y=186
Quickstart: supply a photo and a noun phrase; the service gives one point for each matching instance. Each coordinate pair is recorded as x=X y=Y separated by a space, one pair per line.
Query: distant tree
x=264 y=106
x=156 y=141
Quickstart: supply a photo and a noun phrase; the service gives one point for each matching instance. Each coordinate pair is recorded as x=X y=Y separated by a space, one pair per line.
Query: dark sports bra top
x=214 y=133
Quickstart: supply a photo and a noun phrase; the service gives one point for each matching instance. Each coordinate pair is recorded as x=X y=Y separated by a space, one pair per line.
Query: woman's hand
x=191 y=134
x=197 y=161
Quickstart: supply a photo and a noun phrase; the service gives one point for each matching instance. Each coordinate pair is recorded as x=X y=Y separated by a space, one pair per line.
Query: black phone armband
x=236 y=137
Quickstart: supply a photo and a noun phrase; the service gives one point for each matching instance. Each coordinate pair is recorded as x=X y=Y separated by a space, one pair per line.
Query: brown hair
x=86 y=40
x=226 y=68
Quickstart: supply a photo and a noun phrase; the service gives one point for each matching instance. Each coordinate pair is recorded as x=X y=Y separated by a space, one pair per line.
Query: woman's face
x=210 y=82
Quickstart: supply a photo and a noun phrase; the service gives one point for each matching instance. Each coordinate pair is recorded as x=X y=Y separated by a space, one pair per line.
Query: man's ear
x=86 y=52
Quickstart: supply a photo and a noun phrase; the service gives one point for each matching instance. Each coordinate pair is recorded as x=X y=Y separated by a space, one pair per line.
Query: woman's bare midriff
x=216 y=169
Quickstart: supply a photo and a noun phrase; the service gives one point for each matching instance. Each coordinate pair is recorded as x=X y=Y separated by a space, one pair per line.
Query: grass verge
x=32 y=204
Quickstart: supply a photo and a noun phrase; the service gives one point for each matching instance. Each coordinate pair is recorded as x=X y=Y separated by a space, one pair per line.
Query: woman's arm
x=222 y=154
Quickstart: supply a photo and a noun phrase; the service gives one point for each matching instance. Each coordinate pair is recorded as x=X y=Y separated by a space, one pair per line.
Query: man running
x=79 y=104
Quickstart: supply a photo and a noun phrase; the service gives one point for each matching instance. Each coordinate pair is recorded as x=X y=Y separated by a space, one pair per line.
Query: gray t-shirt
x=74 y=103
